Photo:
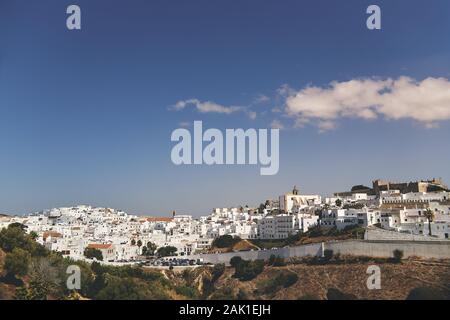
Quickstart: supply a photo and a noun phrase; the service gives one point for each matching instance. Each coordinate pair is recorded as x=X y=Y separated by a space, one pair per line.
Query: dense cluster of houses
x=416 y=208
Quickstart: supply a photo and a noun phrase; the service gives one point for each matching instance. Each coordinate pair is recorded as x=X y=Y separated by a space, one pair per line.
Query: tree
x=166 y=251
x=261 y=208
x=18 y=225
x=14 y=237
x=246 y=270
x=17 y=263
x=44 y=280
x=235 y=261
x=139 y=244
x=338 y=202
x=225 y=241
x=144 y=250
x=398 y=255
x=133 y=242
x=430 y=217
x=151 y=248
x=92 y=253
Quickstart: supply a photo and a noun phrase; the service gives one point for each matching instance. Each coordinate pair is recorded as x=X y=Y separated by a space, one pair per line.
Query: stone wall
x=385 y=248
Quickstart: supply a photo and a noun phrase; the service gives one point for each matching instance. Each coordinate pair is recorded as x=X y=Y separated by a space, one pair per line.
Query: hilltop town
x=402 y=211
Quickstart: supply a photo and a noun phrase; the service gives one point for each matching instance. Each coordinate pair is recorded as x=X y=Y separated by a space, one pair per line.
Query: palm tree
x=430 y=217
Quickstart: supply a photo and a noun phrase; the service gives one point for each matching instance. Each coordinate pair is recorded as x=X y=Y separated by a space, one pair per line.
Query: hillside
x=34 y=273
x=314 y=281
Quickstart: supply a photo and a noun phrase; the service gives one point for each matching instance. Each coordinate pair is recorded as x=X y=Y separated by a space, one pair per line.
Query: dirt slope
x=397 y=280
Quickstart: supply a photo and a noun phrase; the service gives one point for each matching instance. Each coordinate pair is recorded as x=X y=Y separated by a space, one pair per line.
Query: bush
x=276 y=261
x=328 y=254
x=116 y=288
x=315 y=231
x=225 y=241
x=217 y=271
x=309 y=297
x=235 y=261
x=398 y=255
x=283 y=279
x=289 y=279
x=186 y=291
x=426 y=293
x=242 y=295
x=225 y=293
x=336 y=294
x=246 y=270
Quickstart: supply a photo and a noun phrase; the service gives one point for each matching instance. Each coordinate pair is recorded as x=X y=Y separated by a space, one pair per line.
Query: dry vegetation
x=397 y=280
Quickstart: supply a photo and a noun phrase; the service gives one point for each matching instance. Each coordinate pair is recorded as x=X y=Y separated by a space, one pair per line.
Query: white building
x=293 y=199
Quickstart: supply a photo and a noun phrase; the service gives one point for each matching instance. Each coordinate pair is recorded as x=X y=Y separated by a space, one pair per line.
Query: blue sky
x=85 y=119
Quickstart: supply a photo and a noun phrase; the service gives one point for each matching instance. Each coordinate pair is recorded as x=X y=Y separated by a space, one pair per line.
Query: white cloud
x=326 y=125
x=205 y=107
x=277 y=124
x=184 y=124
x=285 y=90
x=261 y=98
x=252 y=114
x=211 y=107
x=426 y=101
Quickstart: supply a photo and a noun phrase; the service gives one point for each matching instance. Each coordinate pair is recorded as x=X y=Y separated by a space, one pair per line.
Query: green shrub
x=235 y=261
x=283 y=279
x=242 y=295
x=398 y=255
x=246 y=270
x=427 y=293
x=328 y=254
x=225 y=293
x=309 y=297
x=186 y=291
x=225 y=241
x=336 y=294
x=276 y=261
x=217 y=271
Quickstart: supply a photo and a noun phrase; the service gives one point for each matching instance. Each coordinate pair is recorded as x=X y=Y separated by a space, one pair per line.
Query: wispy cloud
x=426 y=101
x=184 y=124
x=260 y=99
x=211 y=107
x=277 y=124
x=205 y=107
